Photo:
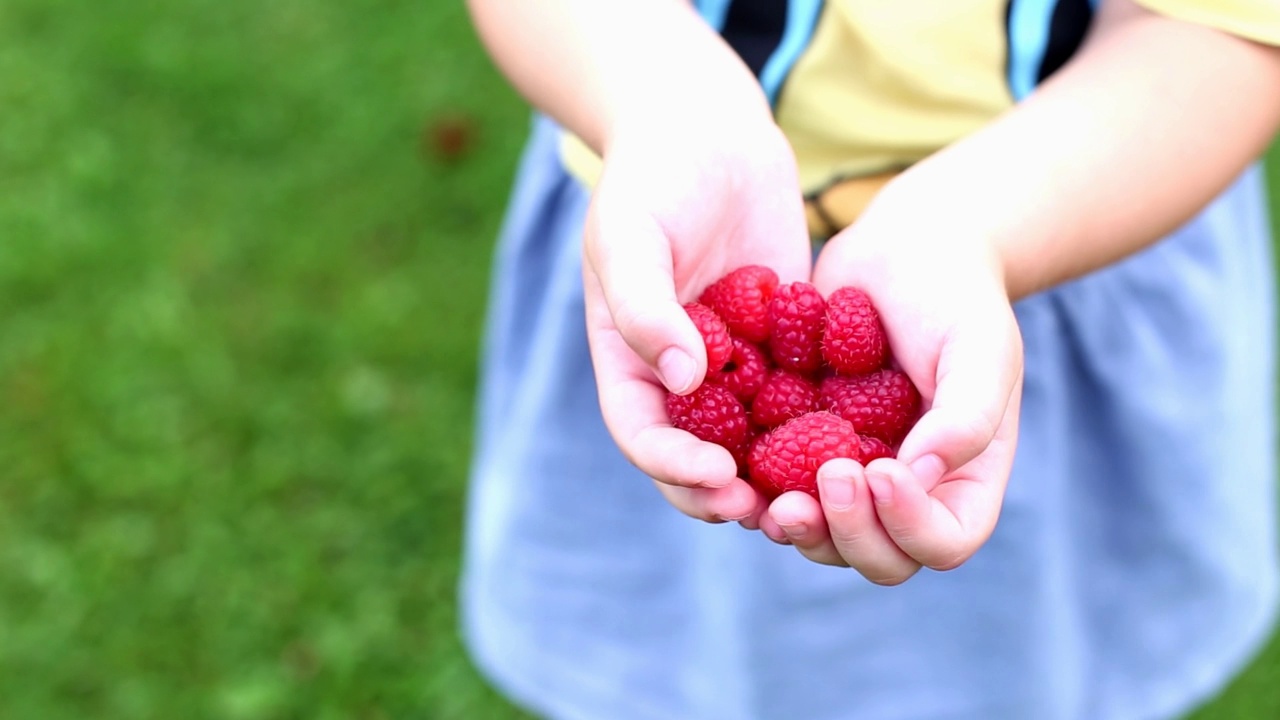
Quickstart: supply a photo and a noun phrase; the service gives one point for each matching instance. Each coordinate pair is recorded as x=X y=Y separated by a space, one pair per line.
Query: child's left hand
x=943 y=302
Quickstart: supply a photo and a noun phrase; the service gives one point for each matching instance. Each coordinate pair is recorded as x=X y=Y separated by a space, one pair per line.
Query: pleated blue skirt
x=1132 y=573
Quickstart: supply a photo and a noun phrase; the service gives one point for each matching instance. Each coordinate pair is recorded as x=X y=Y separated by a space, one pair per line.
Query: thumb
x=979 y=380
x=627 y=256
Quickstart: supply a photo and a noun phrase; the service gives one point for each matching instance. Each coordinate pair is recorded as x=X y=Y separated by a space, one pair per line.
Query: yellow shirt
x=867 y=87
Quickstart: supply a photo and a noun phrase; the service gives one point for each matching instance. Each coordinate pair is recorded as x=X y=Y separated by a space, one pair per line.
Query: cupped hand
x=951 y=328
x=677 y=206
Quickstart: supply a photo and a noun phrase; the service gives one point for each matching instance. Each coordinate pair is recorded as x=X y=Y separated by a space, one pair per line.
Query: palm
x=661 y=228
x=952 y=331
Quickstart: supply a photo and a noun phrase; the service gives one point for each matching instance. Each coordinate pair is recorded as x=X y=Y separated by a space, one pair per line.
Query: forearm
x=1150 y=121
x=592 y=64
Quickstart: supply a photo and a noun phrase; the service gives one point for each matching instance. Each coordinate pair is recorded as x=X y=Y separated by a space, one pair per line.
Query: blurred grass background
x=243 y=257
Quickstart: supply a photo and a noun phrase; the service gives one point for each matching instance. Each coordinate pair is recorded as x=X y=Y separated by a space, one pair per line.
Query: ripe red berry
x=784 y=395
x=788 y=457
x=793 y=380
x=882 y=404
x=854 y=340
x=715 y=334
x=743 y=454
x=797 y=316
x=713 y=414
x=741 y=299
x=745 y=372
x=872 y=448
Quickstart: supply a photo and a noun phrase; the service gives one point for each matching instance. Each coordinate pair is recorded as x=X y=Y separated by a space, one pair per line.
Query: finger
x=752 y=521
x=978 y=373
x=770 y=529
x=941 y=529
x=633 y=406
x=628 y=257
x=855 y=529
x=735 y=501
x=634 y=412
x=799 y=518
x=845 y=529
x=675 y=457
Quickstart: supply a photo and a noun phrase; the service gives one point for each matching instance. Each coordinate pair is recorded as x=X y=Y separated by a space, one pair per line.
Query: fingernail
x=795 y=531
x=881 y=487
x=837 y=491
x=928 y=469
x=677 y=369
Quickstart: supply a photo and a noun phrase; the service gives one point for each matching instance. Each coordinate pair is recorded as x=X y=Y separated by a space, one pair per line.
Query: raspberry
x=881 y=404
x=745 y=372
x=713 y=414
x=756 y=456
x=741 y=299
x=793 y=380
x=715 y=334
x=788 y=457
x=854 y=341
x=784 y=395
x=797 y=316
x=871 y=448
x=743 y=453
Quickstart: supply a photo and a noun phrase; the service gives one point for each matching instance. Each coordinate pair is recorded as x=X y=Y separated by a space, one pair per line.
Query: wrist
x=715 y=99
x=693 y=80
x=911 y=226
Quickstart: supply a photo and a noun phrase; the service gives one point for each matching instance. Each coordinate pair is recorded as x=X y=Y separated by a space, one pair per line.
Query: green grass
x=240 y=307
x=240 y=310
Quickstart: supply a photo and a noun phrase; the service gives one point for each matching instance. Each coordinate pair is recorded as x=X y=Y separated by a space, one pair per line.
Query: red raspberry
x=788 y=457
x=745 y=372
x=785 y=395
x=756 y=458
x=715 y=334
x=741 y=299
x=854 y=341
x=797 y=316
x=871 y=448
x=743 y=454
x=882 y=404
x=713 y=414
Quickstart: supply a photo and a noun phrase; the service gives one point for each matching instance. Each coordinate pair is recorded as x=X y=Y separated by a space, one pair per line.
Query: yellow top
x=1253 y=19
x=871 y=86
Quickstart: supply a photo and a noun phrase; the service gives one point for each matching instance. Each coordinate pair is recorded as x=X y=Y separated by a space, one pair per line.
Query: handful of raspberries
x=793 y=380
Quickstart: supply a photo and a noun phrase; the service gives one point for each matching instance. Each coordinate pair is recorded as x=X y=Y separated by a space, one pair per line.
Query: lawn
x=241 y=293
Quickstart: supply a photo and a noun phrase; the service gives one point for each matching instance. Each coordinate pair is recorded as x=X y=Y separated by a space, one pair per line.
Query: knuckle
x=847 y=531
x=903 y=536
x=890 y=579
x=846 y=538
x=824 y=555
x=949 y=561
x=700 y=511
x=637 y=322
x=638 y=450
x=977 y=431
x=685 y=500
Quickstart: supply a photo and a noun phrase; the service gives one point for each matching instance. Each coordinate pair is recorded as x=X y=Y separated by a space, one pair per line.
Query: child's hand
x=943 y=302
x=680 y=203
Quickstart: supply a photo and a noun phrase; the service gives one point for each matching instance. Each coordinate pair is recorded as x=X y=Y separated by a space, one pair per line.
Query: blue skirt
x=1132 y=573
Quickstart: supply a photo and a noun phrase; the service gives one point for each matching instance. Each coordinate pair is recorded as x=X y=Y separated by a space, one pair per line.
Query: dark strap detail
x=1070 y=22
x=754 y=29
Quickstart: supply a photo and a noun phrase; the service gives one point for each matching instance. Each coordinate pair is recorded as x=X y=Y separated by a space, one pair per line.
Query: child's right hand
x=681 y=202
